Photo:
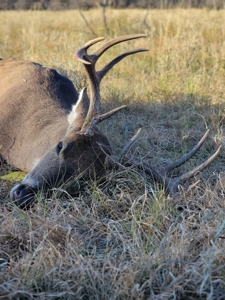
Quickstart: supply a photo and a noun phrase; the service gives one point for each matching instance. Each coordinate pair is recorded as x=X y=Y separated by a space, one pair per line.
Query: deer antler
x=160 y=175
x=94 y=77
x=93 y=117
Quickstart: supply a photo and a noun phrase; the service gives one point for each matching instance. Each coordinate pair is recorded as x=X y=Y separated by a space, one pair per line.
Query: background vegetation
x=87 y=4
x=121 y=238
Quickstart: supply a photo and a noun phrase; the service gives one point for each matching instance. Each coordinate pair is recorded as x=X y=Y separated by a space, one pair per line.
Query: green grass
x=121 y=238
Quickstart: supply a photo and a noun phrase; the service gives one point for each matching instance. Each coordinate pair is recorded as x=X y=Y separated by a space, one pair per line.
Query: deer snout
x=23 y=195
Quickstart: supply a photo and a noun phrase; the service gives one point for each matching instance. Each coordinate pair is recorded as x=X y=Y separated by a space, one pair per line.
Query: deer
x=50 y=130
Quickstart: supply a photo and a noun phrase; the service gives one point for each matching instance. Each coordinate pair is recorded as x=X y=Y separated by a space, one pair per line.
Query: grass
x=121 y=238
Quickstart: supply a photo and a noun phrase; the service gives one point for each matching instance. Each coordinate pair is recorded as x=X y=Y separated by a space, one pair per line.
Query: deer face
x=75 y=155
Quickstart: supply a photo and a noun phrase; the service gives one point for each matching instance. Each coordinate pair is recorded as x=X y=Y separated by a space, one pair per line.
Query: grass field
x=121 y=238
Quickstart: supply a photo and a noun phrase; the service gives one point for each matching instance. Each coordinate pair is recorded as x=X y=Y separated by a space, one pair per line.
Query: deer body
x=49 y=130
x=34 y=104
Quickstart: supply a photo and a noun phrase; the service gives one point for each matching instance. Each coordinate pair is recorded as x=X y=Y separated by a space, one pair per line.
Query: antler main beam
x=160 y=175
x=94 y=77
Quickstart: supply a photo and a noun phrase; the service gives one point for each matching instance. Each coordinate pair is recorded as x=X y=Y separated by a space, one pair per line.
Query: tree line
x=87 y=4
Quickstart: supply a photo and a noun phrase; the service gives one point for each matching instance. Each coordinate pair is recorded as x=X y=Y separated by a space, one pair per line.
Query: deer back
x=34 y=104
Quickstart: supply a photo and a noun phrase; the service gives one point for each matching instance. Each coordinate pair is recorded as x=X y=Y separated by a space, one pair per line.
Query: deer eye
x=59 y=147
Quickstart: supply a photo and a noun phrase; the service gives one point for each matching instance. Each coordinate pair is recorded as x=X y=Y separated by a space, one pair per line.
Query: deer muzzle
x=23 y=194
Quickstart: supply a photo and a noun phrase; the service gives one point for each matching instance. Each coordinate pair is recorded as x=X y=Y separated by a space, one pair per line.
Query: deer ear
x=80 y=109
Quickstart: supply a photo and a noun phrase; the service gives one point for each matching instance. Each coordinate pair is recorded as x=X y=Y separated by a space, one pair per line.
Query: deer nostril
x=22 y=195
x=18 y=193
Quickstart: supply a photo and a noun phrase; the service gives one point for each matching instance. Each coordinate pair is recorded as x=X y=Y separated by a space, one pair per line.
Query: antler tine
x=101 y=73
x=117 y=40
x=201 y=167
x=177 y=163
x=101 y=118
x=130 y=143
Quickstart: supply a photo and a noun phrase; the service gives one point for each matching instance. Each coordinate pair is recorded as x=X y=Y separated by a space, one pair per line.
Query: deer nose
x=22 y=195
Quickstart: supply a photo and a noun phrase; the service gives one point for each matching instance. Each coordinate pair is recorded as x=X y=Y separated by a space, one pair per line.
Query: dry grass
x=121 y=238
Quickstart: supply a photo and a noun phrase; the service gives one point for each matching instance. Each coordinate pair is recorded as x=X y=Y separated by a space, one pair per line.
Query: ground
x=121 y=237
